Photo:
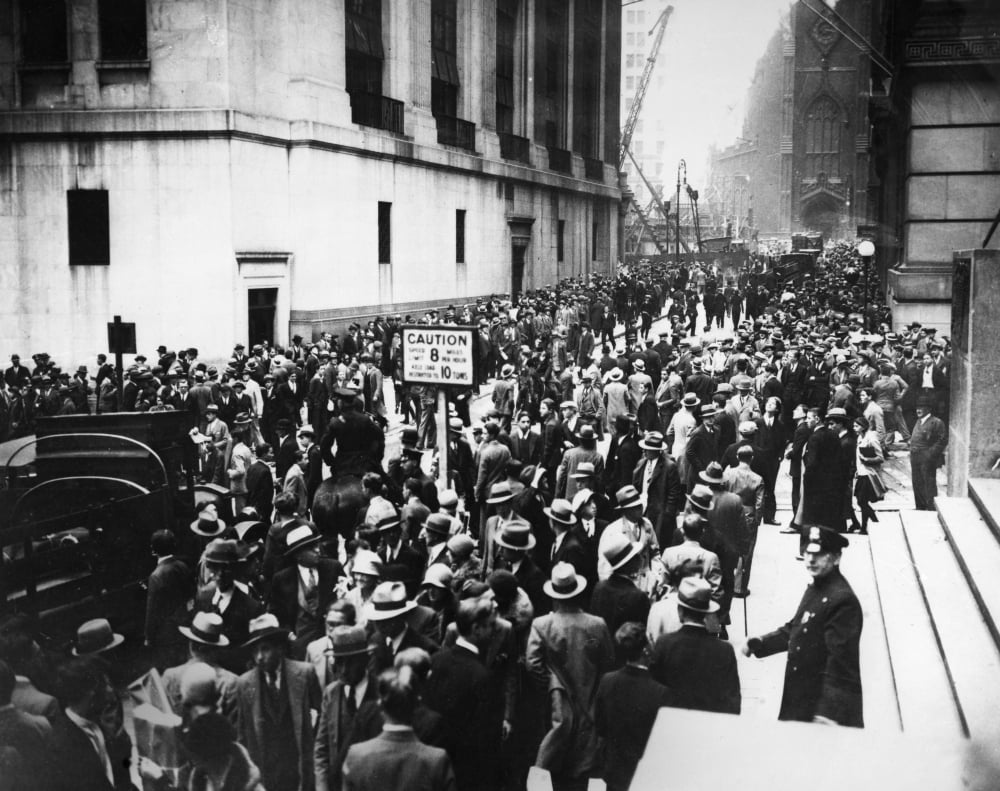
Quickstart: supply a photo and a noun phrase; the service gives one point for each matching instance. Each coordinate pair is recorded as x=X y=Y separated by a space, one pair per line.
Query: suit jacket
x=383 y=655
x=260 y=489
x=628 y=701
x=570 y=550
x=530 y=579
x=285 y=457
x=928 y=441
x=397 y=761
x=236 y=619
x=334 y=733
x=299 y=683
x=285 y=592
x=701 y=449
x=664 y=496
x=526 y=448
x=169 y=588
x=458 y=689
x=699 y=669
x=799 y=439
x=618 y=600
x=409 y=563
x=29 y=734
x=79 y=768
x=493 y=458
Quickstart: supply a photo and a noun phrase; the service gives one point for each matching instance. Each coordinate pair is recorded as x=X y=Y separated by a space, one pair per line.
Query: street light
x=866 y=250
x=680 y=165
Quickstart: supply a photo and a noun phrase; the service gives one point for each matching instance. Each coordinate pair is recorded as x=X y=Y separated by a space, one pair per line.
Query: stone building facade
x=221 y=170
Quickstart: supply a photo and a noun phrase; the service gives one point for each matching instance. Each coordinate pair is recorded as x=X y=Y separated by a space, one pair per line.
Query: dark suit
x=235 y=623
x=264 y=728
x=617 y=600
x=699 y=669
x=383 y=655
x=79 y=768
x=701 y=450
x=169 y=588
x=409 y=565
x=458 y=689
x=570 y=550
x=260 y=489
x=335 y=732
x=284 y=458
x=771 y=440
x=313 y=471
x=664 y=497
x=823 y=676
x=397 y=761
x=308 y=626
x=29 y=735
x=628 y=701
x=927 y=445
x=530 y=579
x=822 y=498
x=799 y=439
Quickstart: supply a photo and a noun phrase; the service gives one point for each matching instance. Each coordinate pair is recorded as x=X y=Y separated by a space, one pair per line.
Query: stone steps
x=985 y=493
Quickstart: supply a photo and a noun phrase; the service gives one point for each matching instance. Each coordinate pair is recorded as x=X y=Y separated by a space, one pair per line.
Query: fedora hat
x=586 y=433
x=798 y=413
x=223 y=551
x=96 y=636
x=619 y=550
x=837 y=413
x=652 y=441
x=438 y=575
x=389 y=600
x=460 y=546
x=388 y=522
x=448 y=499
x=250 y=531
x=561 y=511
x=628 y=497
x=500 y=493
x=300 y=536
x=700 y=499
x=585 y=469
x=567 y=405
x=205 y=628
x=440 y=524
x=695 y=594
x=265 y=627
x=615 y=375
x=208 y=524
x=747 y=428
x=709 y=410
x=712 y=474
x=690 y=400
x=516 y=534
x=367 y=562
x=743 y=383
x=564 y=583
x=349 y=641
x=507 y=371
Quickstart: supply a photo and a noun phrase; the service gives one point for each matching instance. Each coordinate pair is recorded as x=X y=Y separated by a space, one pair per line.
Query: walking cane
x=746 y=632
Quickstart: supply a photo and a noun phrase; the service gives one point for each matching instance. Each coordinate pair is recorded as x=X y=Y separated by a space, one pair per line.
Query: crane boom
x=640 y=93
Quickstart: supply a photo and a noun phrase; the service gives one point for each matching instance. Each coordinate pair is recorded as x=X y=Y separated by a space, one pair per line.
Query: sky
x=707 y=58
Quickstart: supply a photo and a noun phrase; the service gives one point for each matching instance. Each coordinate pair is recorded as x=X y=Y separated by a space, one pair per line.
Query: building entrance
x=262 y=305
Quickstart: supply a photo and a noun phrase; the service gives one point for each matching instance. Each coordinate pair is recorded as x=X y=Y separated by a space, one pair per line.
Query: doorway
x=518 y=251
x=262 y=305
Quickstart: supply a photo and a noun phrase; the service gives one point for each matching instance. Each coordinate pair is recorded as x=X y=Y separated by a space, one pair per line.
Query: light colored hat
x=561 y=511
x=581 y=498
x=349 y=641
x=205 y=628
x=516 y=534
x=389 y=600
x=448 y=498
x=264 y=627
x=618 y=550
x=303 y=535
x=500 y=493
x=628 y=497
x=564 y=583
x=438 y=575
x=585 y=469
x=367 y=562
x=695 y=593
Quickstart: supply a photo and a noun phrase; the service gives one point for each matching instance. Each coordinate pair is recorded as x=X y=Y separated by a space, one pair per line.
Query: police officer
x=823 y=676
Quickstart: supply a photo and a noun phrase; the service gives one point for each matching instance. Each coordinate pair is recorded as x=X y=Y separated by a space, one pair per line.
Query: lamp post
x=682 y=165
x=866 y=250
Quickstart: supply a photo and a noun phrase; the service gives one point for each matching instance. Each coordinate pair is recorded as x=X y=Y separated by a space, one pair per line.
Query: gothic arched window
x=823 y=132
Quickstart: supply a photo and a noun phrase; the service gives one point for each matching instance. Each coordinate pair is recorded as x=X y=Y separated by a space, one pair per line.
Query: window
x=630 y=39
x=560 y=239
x=444 y=60
x=629 y=83
x=123 y=29
x=506 y=34
x=384 y=233
x=43 y=31
x=587 y=77
x=823 y=128
x=629 y=61
x=363 y=42
x=87 y=220
x=460 y=236
x=630 y=17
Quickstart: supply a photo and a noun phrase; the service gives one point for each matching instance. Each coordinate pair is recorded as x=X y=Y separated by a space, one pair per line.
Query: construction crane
x=632 y=120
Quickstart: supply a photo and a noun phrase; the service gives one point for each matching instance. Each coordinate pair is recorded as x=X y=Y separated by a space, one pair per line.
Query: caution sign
x=436 y=354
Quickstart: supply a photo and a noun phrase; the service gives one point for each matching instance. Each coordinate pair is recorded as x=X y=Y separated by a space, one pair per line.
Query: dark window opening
x=123 y=29
x=560 y=239
x=506 y=34
x=364 y=53
x=384 y=233
x=43 y=31
x=444 y=58
x=460 y=236
x=87 y=220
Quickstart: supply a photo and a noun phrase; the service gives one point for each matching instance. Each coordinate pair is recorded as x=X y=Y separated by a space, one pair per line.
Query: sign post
x=121 y=340
x=442 y=355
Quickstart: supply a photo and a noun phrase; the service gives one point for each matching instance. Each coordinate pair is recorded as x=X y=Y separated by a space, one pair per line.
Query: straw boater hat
x=620 y=550
x=266 y=627
x=564 y=583
x=652 y=441
x=690 y=400
x=615 y=375
x=561 y=511
x=95 y=637
x=388 y=601
x=208 y=524
x=205 y=628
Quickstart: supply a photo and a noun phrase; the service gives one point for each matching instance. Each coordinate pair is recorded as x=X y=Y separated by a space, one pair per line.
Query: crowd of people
x=574 y=574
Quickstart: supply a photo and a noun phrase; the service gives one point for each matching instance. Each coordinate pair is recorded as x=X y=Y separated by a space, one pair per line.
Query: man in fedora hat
x=399 y=559
x=585 y=452
x=703 y=444
x=617 y=599
x=501 y=498
x=352 y=687
x=687 y=559
x=636 y=529
x=278 y=701
x=590 y=404
x=514 y=543
x=681 y=425
x=699 y=668
x=301 y=592
x=928 y=442
x=503 y=395
x=389 y=612
x=567 y=546
x=224 y=597
x=492 y=467
x=206 y=643
x=822 y=494
x=823 y=675
x=288 y=448
x=568 y=652
x=657 y=480
x=742 y=481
